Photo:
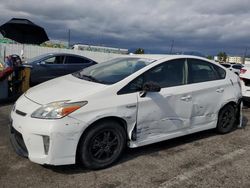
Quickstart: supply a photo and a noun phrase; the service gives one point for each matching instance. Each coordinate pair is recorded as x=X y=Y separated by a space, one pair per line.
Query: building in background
x=247 y=60
x=234 y=59
x=102 y=49
x=216 y=58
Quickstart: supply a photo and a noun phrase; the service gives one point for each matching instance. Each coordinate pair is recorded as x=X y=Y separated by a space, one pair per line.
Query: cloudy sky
x=194 y=25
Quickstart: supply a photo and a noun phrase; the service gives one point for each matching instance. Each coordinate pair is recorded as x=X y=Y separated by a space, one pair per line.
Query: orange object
x=68 y=110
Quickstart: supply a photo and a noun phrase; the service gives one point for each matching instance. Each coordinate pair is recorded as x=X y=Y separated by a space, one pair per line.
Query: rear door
x=209 y=86
x=76 y=63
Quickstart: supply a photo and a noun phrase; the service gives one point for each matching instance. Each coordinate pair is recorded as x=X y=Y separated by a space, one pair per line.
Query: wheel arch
x=119 y=120
x=236 y=106
x=233 y=103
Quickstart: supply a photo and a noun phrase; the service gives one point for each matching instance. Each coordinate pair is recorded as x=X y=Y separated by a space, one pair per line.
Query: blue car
x=49 y=66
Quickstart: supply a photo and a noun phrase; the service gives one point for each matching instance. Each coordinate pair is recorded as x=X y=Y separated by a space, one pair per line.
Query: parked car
x=49 y=66
x=245 y=83
x=91 y=115
x=233 y=67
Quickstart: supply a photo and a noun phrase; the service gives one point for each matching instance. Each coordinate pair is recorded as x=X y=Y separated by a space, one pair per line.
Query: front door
x=167 y=111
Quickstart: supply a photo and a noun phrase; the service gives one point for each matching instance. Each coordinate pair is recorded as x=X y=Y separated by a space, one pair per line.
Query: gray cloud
x=205 y=26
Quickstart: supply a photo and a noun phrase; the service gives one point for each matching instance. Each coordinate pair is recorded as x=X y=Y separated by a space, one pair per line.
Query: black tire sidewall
x=85 y=156
x=229 y=128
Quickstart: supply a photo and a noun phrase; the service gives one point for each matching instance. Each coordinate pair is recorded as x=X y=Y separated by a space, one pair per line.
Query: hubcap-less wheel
x=102 y=145
x=226 y=119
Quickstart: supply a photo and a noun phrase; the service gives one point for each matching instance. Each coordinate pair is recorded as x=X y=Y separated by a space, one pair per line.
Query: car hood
x=63 y=88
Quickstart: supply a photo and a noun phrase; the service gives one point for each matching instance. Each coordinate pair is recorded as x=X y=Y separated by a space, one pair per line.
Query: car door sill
x=167 y=136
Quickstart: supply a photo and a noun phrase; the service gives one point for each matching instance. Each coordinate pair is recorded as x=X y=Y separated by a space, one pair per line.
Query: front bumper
x=27 y=135
x=17 y=142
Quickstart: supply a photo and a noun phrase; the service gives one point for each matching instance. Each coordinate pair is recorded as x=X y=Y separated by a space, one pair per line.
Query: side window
x=54 y=60
x=201 y=71
x=76 y=60
x=221 y=72
x=168 y=74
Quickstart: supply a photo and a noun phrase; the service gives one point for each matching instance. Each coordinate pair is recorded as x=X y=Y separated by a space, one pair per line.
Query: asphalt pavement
x=204 y=159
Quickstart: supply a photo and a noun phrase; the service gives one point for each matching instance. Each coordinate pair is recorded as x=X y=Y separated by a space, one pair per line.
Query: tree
x=139 y=51
x=222 y=56
x=210 y=57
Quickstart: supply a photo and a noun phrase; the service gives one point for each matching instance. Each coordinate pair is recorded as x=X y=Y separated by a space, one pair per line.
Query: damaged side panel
x=122 y=106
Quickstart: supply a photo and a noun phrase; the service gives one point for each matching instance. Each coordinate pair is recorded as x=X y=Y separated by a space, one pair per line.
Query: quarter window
x=221 y=72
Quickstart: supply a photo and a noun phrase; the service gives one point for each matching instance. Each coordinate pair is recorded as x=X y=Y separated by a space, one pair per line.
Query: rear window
x=226 y=65
x=76 y=60
x=237 y=66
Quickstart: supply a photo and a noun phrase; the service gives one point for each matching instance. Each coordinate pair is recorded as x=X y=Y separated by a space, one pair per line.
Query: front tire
x=226 y=119
x=102 y=145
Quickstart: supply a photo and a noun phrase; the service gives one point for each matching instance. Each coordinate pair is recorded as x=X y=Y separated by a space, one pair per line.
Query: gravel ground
x=204 y=159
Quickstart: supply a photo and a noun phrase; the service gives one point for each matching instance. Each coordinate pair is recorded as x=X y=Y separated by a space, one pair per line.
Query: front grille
x=21 y=113
x=246 y=81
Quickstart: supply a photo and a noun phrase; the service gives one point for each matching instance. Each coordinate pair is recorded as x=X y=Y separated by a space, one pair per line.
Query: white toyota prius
x=90 y=116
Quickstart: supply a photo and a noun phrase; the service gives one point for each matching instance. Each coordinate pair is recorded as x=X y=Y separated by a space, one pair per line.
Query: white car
x=245 y=83
x=92 y=115
x=233 y=67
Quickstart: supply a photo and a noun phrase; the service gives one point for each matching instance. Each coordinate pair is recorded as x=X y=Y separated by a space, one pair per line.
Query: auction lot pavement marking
x=189 y=174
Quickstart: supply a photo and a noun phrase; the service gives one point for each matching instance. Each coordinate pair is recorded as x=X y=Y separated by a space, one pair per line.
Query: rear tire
x=102 y=145
x=226 y=119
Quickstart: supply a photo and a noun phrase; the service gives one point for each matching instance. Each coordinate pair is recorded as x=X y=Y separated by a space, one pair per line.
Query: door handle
x=131 y=106
x=186 y=98
x=220 y=90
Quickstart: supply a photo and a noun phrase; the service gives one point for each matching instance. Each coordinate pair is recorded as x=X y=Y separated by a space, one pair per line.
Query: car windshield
x=112 y=71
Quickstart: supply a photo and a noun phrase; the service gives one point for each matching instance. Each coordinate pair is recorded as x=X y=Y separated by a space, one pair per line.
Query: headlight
x=57 y=110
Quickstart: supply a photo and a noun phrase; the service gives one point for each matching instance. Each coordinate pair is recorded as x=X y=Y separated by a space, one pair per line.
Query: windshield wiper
x=89 y=78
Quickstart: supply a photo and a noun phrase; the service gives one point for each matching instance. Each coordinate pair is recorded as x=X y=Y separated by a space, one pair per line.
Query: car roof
x=61 y=53
x=163 y=56
x=45 y=55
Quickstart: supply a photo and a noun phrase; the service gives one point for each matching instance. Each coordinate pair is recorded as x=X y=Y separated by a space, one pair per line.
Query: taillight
x=243 y=71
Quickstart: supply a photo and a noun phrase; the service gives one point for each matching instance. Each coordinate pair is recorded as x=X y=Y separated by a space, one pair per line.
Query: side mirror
x=150 y=87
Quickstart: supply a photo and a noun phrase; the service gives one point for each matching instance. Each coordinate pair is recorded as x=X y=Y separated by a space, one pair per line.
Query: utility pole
x=244 y=57
x=171 y=47
x=69 y=39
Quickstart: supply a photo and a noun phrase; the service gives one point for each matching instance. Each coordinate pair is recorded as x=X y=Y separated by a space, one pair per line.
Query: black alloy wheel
x=102 y=145
x=226 y=119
